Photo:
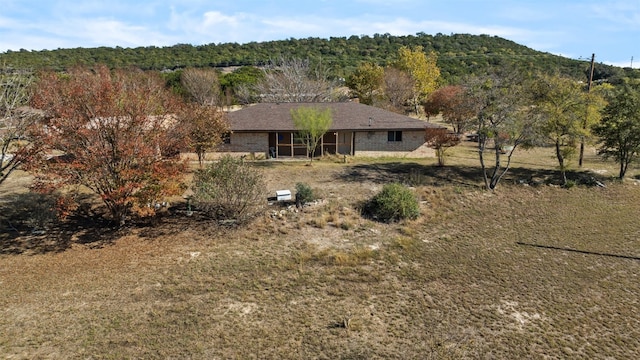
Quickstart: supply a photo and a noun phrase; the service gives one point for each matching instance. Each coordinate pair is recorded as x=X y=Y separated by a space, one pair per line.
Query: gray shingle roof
x=346 y=116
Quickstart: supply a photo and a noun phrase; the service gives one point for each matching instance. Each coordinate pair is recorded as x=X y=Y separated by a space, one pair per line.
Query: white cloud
x=216 y=18
x=8 y=23
x=636 y=63
x=211 y=26
x=304 y=26
x=623 y=15
x=106 y=32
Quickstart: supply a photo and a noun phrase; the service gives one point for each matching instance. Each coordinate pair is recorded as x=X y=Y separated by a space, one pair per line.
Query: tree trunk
x=625 y=158
x=563 y=171
x=496 y=170
x=581 y=157
x=118 y=212
x=440 y=156
x=482 y=140
x=623 y=169
x=200 y=158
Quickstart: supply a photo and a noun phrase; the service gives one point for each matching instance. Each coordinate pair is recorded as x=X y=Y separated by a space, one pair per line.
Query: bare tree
x=245 y=94
x=295 y=80
x=16 y=121
x=398 y=89
x=202 y=85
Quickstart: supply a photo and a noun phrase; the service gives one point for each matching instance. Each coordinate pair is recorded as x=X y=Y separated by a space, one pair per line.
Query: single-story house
x=357 y=129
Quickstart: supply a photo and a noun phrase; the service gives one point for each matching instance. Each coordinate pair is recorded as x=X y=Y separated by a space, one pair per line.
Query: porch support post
x=353 y=143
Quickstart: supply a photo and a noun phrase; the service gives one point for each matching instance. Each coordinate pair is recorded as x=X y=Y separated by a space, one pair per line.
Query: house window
x=394 y=136
x=226 y=138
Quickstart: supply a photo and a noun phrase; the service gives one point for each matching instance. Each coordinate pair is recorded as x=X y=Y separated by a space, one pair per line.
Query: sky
x=610 y=29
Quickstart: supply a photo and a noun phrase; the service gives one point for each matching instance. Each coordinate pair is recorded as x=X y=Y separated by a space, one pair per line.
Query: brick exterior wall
x=378 y=141
x=247 y=143
x=420 y=153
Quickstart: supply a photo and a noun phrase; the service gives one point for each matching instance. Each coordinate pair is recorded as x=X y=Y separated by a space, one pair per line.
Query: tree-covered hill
x=458 y=55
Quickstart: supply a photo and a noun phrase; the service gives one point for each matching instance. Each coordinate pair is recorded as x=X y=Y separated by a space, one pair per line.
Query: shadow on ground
x=578 y=251
x=58 y=237
x=411 y=173
x=28 y=225
x=415 y=174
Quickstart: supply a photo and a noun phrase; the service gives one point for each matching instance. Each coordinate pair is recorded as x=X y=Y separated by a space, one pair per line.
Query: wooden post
x=586 y=120
x=353 y=144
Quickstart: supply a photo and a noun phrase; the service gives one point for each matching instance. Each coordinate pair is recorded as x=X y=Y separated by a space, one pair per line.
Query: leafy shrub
x=304 y=193
x=229 y=190
x=395 y=202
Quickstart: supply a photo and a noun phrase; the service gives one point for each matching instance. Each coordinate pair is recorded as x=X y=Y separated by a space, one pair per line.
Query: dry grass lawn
x=530 y=271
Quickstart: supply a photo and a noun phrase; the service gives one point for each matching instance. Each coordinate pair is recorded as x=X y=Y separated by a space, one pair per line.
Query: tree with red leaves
x=112 y=132
x=450 y=102
x=204 y=125
x=440 y=139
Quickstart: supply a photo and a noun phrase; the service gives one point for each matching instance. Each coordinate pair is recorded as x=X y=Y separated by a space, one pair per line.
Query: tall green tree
x=498 y=102
x=561 y=104
x=595 y=102
x=236 y=85
x=366 y=82
x=311 y=124
x=619 y=129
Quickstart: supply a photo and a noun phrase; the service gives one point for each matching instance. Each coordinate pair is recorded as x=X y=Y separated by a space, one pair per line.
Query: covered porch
x=288 y=144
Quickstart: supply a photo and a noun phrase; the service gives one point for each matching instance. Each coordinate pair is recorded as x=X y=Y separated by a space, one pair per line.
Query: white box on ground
x=282 y=195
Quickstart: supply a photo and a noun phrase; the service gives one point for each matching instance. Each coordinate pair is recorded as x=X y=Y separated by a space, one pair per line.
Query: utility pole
x=586 y=120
